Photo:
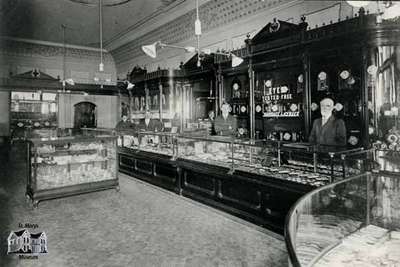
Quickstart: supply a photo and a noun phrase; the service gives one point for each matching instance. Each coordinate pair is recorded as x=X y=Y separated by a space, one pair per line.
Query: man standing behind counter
x=225 y=124
x=124 y=125
x=328 y=130
x=149 y=124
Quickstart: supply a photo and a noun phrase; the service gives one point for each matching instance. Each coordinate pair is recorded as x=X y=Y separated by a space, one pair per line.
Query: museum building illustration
x=28 y=243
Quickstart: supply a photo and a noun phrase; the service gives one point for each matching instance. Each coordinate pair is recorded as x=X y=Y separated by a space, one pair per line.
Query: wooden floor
x=139 y=226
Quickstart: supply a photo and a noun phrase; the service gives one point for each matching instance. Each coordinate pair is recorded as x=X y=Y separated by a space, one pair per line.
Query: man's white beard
x=326 y=114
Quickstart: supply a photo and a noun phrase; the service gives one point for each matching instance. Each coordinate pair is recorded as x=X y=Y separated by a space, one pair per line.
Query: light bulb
x=101 y=66
x=197 y=27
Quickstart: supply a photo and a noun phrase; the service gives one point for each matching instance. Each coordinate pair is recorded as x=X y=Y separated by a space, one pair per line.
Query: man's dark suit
x=332 y=133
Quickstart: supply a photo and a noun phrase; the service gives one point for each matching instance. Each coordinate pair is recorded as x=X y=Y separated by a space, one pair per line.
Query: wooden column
x=220 y=89
x=364 y=98
x=307 y=93
x=160 y=88
x=251 y=95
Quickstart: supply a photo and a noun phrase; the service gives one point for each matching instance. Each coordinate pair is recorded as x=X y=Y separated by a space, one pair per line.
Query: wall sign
x=276 y=93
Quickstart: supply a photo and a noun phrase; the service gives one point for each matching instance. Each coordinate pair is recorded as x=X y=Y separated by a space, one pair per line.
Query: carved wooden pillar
x=364 y=98
x=306 y=62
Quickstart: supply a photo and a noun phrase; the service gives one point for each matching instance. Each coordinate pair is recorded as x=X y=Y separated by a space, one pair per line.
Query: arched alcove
x=85 y=115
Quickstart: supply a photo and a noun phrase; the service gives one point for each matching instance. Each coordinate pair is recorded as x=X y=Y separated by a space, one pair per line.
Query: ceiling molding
x=214 y=15
x=167 y=7
x=39 y=42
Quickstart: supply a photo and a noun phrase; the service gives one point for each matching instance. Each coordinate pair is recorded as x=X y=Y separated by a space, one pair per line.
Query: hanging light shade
x=70 y=81
x=236 y=61
x=150 y=50
x=359 y=3
x=130 y=85
x=190 y=49
x=392 y=11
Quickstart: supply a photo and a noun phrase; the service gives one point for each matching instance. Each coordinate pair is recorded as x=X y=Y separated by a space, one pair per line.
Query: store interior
x=200 y=133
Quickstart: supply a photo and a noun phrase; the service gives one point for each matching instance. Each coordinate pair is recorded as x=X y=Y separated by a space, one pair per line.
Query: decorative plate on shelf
x=344 y=74
x=243 y=109
x=293 y=107
x=322 y=76
x=287 y=136
x=274 y=108
x=20 y=124
x=258 y=108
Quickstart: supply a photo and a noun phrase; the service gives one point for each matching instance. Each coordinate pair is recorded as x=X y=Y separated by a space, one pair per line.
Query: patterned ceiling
x=42 y=19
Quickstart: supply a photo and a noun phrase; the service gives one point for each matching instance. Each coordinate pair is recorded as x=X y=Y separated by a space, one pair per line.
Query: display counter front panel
x=157 y=169
x=260 y=199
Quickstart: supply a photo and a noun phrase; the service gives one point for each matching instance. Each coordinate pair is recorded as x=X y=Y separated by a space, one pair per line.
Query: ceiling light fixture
x=236 y=61
x=197 y=32
x=129 y=85
x=151 y=50
x=101 y=65
x=65 y=81
x=359 y=3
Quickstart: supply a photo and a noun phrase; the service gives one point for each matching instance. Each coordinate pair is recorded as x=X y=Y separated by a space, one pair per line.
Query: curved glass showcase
x=353 y=222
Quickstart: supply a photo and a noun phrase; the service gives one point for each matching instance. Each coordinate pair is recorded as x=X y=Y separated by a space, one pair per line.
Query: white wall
x=81 y=63
x=4 y=113
x=107 y=109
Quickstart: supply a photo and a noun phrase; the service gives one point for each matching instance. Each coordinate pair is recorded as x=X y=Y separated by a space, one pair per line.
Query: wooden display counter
x=151 y=167
x=262 y=200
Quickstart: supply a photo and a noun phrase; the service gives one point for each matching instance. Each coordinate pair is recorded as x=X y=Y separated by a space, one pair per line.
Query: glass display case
x=149 y=156
x=156 y=142
x=353 y=222
x=297 y=162
x=70 y=165
x=213 y=150
x=33 y=115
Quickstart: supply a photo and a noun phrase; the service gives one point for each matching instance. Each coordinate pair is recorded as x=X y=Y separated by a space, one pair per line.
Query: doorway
x=85 y=115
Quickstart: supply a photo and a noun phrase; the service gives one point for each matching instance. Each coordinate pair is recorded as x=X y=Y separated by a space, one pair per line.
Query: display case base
x=156 y=169
x=262 y=200
x=39 y=195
